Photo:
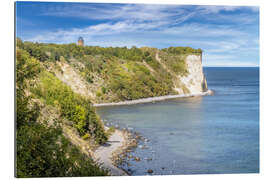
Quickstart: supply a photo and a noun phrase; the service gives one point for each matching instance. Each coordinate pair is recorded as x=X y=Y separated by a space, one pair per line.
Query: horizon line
x=234 y=66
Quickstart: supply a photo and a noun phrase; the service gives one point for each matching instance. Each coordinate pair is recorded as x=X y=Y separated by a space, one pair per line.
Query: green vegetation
x=174 y=58
x=182 y=50
x=116 y=74
x=175 y=62
x=43 y=52
x=132 y=81
x=124 y=75
x=42 y=150
x=72 y=106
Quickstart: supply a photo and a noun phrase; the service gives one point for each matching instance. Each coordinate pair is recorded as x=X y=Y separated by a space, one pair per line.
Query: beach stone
x=137 y=159
x=150 y=171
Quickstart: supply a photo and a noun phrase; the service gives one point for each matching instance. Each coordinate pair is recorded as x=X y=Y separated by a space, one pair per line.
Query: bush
x=72 y=106
x=43 y=151
x=86 y=136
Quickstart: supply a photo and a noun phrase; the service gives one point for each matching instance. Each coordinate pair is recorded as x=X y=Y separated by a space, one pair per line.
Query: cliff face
x=191 y=82
x=195 y=81
x=117 y=74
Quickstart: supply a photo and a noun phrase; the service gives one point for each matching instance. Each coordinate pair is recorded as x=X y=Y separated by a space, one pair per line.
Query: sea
x=216 y=134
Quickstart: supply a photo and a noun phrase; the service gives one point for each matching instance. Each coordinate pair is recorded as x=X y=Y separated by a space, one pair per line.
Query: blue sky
x=228 y=35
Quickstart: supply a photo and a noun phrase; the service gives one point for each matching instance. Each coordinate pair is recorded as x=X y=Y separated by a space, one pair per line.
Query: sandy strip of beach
x=153 y=99
x=103 y=153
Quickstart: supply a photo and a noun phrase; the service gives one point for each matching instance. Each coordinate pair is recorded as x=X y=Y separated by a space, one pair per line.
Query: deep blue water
x=199 y=135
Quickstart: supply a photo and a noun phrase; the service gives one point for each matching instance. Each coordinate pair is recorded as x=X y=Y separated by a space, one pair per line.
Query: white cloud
x=216 y=9
x=224 y=38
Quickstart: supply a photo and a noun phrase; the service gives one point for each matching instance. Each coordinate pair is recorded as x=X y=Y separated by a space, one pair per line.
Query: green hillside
x=126 y=73
x=46 y=102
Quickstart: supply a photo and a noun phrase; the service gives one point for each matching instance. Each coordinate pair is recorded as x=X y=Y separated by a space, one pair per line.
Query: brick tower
x=80 y=41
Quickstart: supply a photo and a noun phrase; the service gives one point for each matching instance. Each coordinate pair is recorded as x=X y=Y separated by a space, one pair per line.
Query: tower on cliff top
x=80 y=41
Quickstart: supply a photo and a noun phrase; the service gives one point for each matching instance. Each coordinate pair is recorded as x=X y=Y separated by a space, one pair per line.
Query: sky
x=228 y=35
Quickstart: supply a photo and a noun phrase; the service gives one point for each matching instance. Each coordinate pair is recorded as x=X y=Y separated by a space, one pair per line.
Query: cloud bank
x=227 y=34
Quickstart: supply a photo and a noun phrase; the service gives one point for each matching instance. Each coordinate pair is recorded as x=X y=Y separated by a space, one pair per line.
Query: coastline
x=120 y=142
x=108 y=155
x=153 y=99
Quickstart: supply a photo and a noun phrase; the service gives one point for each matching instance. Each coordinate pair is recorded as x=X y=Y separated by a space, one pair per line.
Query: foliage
x=42 y=151
x=26 y=68
x=182 y=50
x=132 y=81
x=43 y=51
x=175 y=62
x=124 y=75
x=72 y=106
x=86 y=136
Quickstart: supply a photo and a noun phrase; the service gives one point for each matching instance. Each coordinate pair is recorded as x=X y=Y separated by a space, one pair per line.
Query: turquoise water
x=199 y=135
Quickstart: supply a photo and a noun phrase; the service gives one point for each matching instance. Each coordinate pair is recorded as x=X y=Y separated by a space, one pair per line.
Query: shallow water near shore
x=198 y=135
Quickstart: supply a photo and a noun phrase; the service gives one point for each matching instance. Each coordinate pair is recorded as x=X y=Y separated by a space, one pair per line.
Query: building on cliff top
x=80 y=41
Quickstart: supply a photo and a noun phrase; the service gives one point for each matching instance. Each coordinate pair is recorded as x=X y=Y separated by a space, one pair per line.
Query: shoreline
x=153 y=99
x=108 y=154
x=115 y=150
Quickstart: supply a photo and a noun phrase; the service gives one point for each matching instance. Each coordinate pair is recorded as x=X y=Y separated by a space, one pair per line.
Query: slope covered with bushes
x=119 y=73
x=41 y=149
x=51 y=76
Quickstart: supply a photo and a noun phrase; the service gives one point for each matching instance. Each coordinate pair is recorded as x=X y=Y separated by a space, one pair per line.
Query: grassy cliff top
x=45 y=51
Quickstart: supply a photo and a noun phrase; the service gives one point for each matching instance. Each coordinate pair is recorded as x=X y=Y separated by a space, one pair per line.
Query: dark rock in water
x=150 y=171
x=171 y=133
x=163 y=168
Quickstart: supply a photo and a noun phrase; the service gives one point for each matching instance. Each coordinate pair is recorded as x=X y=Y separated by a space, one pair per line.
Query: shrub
x=72 y=106
x=86 y=136
x=43 y=151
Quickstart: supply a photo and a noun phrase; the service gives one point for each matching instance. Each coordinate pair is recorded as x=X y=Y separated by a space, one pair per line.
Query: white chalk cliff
x=195 y=81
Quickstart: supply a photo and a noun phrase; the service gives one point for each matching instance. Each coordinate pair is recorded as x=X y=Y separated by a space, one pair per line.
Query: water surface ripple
x=198 y=135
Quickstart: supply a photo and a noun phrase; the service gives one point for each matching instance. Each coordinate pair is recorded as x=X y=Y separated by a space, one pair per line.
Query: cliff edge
x=195 y=81
x=117 y=74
